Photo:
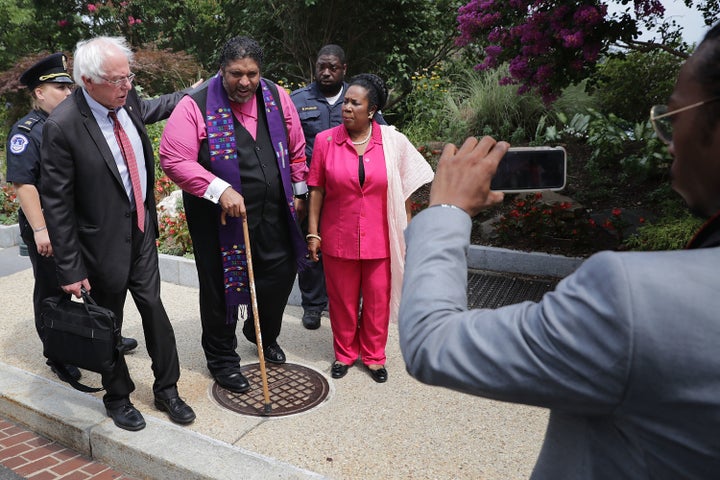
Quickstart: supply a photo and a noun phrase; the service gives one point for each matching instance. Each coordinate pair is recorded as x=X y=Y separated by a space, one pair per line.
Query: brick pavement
x=32 y=456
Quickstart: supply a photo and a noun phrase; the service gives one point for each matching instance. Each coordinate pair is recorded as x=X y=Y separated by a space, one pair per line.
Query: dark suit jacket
x=87 y=210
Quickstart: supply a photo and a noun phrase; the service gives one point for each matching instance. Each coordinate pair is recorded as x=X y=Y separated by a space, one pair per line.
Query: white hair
x=90 y=56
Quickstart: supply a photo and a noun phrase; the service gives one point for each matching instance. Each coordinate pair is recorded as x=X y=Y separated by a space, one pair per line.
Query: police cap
x=52 y=68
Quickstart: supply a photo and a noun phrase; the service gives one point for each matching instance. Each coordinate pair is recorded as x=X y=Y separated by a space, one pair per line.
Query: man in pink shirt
x=237 y=150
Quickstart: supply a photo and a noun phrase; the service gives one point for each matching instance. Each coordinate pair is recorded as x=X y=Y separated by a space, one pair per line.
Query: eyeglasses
x=660 y=118
x=120 y=81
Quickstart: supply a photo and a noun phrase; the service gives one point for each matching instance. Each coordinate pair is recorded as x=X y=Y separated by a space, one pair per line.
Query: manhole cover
x=293 y=389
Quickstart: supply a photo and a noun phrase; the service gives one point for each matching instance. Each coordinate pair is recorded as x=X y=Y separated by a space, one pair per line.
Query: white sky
x=694 y=28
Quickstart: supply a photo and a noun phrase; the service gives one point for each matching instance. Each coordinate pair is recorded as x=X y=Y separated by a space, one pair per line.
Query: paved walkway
x=397 y=430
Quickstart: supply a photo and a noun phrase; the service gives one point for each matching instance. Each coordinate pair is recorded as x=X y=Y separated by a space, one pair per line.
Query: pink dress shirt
x=353 y=223
x=185 y=130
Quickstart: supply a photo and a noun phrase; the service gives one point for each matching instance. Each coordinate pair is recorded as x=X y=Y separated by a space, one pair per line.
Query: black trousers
x=274 y=271
x=46 y=282
x=312 y=283
x=144 y=286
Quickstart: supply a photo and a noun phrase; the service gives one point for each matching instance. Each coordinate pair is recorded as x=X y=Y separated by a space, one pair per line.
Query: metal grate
x=493 y=290
x=293 y=389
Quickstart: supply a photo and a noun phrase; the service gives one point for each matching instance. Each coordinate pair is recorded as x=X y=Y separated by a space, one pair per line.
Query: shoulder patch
x=18 y=143
x=28 y=123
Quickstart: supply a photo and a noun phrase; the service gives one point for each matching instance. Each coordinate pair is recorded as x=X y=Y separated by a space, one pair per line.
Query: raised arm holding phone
x=624 y=352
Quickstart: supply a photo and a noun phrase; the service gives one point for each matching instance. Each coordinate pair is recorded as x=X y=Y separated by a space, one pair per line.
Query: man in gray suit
x=98 y=172
x=625 y=352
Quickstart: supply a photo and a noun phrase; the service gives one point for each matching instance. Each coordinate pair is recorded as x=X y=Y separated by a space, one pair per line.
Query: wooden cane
x=256 y=315
x=256 y=318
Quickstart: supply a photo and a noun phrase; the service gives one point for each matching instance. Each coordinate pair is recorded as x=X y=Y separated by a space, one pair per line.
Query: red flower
x=616 y=212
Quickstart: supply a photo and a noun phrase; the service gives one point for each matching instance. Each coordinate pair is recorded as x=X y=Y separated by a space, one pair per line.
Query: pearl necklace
x=366 y=138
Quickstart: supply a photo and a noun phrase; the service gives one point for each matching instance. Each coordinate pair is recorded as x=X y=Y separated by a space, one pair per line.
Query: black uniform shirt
x=23 y=149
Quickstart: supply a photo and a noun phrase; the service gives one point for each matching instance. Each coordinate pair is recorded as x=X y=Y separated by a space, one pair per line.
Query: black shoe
x=274 y=354
x=62 y=371
x=380 y=375
x=178 y=411
x=127 y=417
x=233 y=382
x=339 y=370
x=311 y=319
x=127 y=344
x=248 y=331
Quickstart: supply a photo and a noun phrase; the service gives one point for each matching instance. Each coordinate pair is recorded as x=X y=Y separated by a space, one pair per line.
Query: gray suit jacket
x=87 y=211
x=625 y=353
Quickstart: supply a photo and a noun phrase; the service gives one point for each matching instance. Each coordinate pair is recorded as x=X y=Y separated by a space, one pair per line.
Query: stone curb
x=9 y=235
x=181 y=271
x=160 y=451
x=528 y=263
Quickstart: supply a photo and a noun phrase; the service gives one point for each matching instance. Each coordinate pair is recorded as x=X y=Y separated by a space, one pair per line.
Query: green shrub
x=574 y=99
x=479 y=105
x=155 y=131
x=631 y=148
x=669 y=233
x=628 y=85
x=423 y=108
x=9 y=205
x=174 y=235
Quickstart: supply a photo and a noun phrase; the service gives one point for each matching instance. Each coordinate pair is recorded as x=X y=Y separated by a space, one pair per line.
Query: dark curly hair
x=241 y=47
x=377 y=91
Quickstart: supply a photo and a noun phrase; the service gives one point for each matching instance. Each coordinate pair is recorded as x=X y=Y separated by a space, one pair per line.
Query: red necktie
x=129 y=157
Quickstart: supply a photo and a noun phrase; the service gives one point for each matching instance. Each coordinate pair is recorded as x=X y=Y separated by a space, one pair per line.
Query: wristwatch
x=303 y=196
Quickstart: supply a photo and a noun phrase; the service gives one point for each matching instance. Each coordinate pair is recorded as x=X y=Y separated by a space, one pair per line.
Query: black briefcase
x=83 y=334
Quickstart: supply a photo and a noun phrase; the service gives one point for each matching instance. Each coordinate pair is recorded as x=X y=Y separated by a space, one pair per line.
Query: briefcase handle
x=86 y=296
x=88 y=300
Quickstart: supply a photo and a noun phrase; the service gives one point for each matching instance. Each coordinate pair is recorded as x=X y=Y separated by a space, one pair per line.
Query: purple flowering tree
x=549 y=44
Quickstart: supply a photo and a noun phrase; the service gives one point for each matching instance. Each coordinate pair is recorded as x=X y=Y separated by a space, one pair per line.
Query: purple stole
x=224 y=163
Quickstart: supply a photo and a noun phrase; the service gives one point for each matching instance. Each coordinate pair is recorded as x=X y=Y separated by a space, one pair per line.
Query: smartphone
x=528 y=169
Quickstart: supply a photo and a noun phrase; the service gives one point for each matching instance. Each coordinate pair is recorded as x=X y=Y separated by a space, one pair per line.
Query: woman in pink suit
x=361 y=178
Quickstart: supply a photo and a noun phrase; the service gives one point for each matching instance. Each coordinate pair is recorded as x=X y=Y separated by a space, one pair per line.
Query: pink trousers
x=358 y=334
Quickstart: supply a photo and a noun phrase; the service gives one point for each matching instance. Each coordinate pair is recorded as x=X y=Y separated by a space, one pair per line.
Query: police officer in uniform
x=49 y=84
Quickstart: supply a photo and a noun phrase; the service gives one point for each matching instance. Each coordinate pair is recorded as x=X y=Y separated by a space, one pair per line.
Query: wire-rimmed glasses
x=118 y=82
x=660 y=118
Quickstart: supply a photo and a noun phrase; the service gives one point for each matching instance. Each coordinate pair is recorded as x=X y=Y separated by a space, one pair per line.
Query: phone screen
x=531 y=169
